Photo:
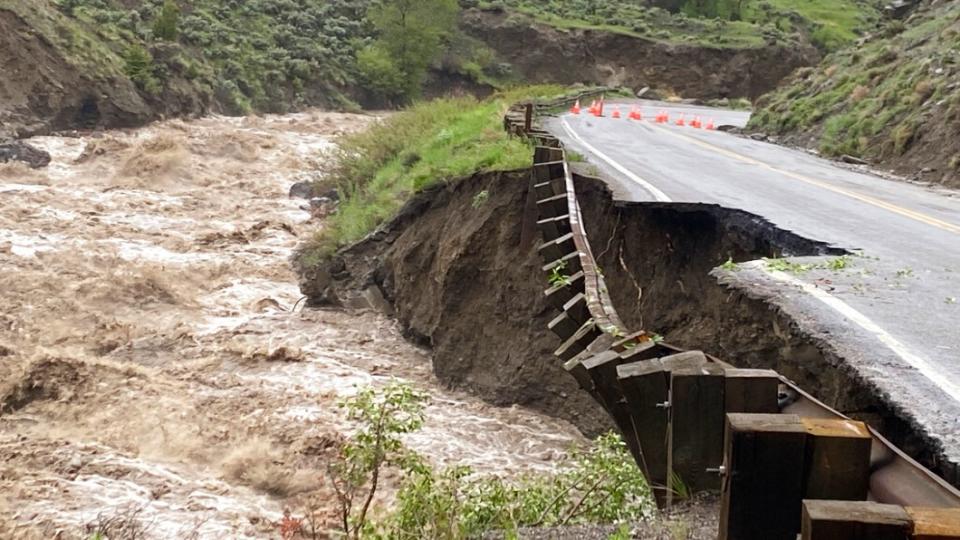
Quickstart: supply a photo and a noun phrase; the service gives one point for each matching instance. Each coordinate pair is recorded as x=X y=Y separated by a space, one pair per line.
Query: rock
x=21 y=151
x=301 y=190
x=927 y=170
x=758 y=136
x=851 y=159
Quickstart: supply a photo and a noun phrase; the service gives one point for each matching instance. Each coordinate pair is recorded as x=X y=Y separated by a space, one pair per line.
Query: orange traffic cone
x=636 y=114
x=710 y=125
x=616 y=112
x=664 y=117
x=696 y=122
x=576 y=107
x=681 y=121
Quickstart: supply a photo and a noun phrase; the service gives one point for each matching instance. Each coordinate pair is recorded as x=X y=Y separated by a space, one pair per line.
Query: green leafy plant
x=140 y=68
x=557 y=278
x=381 y=419
x=480 y=199
x=729 y=265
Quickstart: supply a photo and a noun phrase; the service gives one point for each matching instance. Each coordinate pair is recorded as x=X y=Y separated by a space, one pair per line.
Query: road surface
x=893 y=312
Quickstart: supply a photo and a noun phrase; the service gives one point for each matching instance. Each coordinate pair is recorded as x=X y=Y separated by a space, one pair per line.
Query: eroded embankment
x=460 y=281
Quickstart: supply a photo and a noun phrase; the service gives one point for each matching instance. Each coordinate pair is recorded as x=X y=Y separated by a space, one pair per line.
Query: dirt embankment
x=542 y=53
x=44 y=88
x=460 y=282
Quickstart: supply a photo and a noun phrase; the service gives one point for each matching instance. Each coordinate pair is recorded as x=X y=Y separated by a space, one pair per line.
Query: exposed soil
x=42 y=89
x=542 y=53
x=462 y=283
x=156 y=371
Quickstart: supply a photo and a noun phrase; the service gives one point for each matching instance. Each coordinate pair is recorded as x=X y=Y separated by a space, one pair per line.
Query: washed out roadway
x=893 y=313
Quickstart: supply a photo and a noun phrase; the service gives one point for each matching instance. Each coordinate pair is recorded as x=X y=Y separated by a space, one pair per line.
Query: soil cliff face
x=452 y=266
x=47 y=85
x=541 y=53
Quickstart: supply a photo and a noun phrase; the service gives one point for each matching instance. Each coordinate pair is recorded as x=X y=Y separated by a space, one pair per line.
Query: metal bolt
x=721 y=470
x=664 y=405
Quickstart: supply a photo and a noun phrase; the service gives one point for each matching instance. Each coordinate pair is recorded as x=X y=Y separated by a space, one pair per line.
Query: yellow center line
x=906 y=212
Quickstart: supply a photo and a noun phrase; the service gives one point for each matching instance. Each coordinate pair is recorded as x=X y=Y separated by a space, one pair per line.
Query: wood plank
x=935 y=523
x=570 y=261
x=602 y=368
x=751 y=391
x=853 y=520
x=837 y=465
x=697 y=423
x=645 y=386
x=763 y=485
x=557 y=247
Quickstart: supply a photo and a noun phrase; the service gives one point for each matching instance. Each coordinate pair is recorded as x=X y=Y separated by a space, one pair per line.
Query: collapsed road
x=889 y=309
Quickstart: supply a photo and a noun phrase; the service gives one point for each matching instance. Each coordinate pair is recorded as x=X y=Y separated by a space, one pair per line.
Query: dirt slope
x=541 y=53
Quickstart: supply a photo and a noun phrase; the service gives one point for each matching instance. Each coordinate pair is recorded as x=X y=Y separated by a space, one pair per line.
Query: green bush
x=165 y=27
x=380 y=75
x=138 y=65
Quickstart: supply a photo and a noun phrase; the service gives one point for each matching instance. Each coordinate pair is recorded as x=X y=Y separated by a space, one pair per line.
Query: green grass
x=828 y=24
x=379 y=169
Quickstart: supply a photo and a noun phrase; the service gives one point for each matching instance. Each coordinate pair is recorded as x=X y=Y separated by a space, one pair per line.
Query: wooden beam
x=853 y=520
x=935 y=523
x=763 y=484
x=751 y=391
x=837 y=465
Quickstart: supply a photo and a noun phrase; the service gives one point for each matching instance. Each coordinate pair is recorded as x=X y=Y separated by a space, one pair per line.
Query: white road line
x=928 y=370
x=657 y=194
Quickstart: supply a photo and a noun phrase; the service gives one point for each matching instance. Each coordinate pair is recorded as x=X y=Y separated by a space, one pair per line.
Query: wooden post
x=762 y=489
x=853 y=520
x=528 y=117
x=837 y=465
x=935 y=523
x=751 y=391
x=603 y=371
x=645 y=385
x=697 y=424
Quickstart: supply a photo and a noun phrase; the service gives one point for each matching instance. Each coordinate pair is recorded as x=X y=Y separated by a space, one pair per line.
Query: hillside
x=893 y=100
x=69 y=64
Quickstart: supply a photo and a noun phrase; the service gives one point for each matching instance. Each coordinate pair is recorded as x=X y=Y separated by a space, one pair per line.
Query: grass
x=378 y=170
x=828 y=24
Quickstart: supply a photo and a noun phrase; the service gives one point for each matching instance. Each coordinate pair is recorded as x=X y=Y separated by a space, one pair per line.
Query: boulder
x=21 y=151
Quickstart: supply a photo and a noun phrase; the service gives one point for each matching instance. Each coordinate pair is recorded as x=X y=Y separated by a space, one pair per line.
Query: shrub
x=165 y=27
x=138 y=65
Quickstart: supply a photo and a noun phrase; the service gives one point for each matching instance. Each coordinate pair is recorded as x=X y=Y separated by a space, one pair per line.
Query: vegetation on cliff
x=828 y=24
x=377 y=170
x=894 y=99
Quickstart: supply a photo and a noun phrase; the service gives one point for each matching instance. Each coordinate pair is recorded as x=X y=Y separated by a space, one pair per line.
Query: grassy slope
x=829 y=24
x=81 y=46
x=895 y=99
x=379 y=169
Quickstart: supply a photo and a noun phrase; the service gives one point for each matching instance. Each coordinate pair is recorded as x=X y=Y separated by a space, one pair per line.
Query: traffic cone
x=636 y=114
x=576 y=107
x=710 y=125
x=681 y=121
x=696 y=122
x=616 y=112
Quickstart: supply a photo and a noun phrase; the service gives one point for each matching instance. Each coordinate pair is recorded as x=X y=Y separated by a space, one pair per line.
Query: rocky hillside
x=537 y=51
x=75 y=64
x=893 y=99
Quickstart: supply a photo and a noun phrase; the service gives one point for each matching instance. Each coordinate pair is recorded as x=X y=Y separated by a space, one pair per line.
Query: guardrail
x=785 y=463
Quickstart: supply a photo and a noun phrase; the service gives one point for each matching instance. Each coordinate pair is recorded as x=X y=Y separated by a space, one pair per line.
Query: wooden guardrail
x=693 y=422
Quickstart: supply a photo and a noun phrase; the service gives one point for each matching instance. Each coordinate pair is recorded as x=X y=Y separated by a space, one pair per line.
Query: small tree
x=382 y=418
x=138 y=65
x=411 y=32
x=165 y=27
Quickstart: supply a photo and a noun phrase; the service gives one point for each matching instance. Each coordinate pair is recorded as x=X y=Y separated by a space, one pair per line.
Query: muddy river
x=155 y=367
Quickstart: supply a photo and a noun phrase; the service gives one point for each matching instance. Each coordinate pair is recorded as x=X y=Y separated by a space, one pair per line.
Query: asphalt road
x=893 y=312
